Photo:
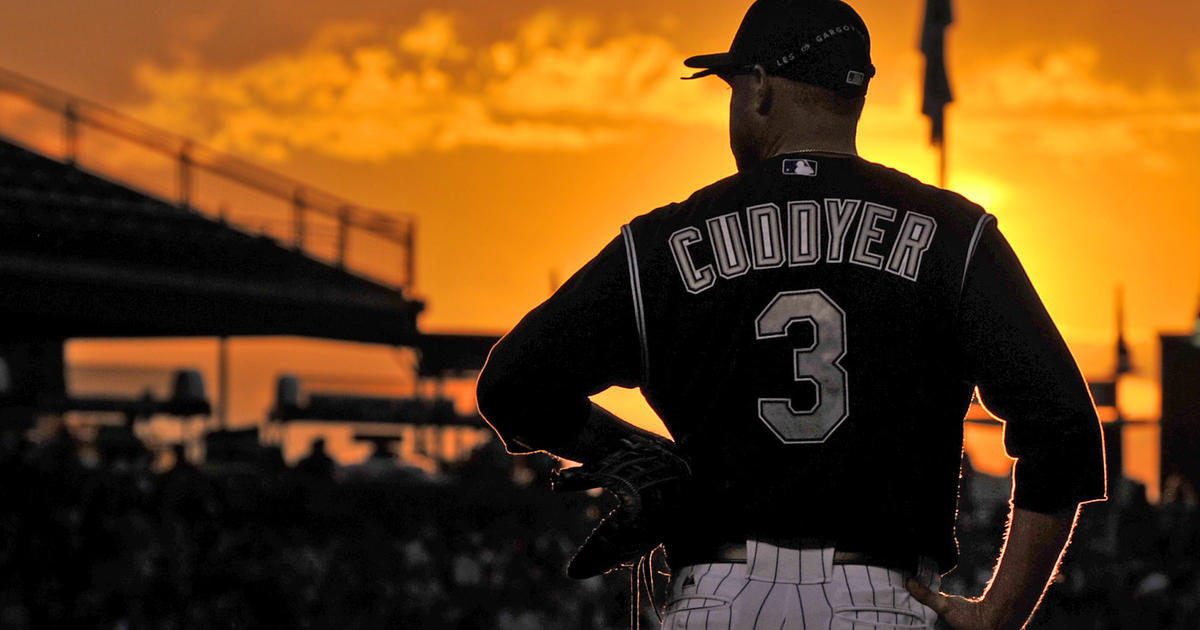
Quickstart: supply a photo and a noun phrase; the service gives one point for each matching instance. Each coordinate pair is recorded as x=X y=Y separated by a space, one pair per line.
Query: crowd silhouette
x=114 y=545
x=111 y=544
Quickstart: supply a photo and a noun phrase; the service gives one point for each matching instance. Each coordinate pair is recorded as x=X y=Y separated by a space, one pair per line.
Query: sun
x=984 y=191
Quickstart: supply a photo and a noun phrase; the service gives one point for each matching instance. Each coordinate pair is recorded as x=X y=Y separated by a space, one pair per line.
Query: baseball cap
x=819 y=42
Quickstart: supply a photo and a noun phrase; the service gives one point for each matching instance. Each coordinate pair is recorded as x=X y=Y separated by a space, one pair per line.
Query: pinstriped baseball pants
x=794 y=589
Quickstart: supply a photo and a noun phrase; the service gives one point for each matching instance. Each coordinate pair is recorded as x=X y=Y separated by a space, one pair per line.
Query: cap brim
x=709 y=64
x=714 y=61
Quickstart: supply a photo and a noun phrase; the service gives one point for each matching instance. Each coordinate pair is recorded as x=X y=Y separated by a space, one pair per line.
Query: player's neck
x=811 y=138
x=831 y=148
x=826 y=146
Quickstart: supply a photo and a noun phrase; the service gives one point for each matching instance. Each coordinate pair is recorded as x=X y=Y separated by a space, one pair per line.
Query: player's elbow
x=509 y=395
x=490 y=391
x=497 y=391
x=498 y=403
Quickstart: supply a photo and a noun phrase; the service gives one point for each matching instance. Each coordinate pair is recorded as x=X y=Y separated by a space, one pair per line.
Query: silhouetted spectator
x=318 y=463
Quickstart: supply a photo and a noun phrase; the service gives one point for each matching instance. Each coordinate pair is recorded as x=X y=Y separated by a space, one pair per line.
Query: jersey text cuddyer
x=771 y=246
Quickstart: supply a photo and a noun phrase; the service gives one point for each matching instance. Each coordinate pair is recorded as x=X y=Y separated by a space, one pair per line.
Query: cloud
x=1059 y=103
x=363 y=91
x=1066 y=79
x=559 y=83
x=561 y=67
x=433 y=38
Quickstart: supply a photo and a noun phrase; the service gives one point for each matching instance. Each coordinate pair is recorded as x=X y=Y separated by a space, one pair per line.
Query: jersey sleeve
x=534 y=388
x=1027 y=377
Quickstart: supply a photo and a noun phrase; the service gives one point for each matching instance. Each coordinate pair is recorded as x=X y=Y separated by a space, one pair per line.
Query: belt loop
x=762 y=560
x=816 y=564
x=827 y=554
x=788 y=565
x=791 y=565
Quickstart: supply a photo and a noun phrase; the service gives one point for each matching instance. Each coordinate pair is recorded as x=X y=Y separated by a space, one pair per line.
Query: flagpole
x=1115 y=438
x=939 y=14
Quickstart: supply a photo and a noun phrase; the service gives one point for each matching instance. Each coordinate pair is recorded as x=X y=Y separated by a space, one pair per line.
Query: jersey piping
x=639 y=309
x=979 y=226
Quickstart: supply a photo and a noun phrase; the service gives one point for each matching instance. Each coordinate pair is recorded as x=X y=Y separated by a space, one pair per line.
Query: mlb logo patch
x=800 y=166
x=855 y=77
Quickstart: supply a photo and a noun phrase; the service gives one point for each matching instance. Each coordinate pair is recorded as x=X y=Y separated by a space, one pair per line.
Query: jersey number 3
x=818 y=364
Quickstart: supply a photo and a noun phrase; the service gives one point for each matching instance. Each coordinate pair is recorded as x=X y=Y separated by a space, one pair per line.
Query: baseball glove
x=647 y=476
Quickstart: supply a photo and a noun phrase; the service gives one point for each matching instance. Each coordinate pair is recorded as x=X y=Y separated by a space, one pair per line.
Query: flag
x=938 y=16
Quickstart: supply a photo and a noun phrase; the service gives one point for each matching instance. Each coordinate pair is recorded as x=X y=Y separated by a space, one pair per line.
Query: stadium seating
x=79 y=238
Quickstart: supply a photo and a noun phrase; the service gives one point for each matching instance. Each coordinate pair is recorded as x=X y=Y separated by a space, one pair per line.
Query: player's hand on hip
x=953 y=611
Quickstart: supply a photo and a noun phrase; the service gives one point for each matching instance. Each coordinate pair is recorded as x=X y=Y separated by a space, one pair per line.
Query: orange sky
x=523 y=134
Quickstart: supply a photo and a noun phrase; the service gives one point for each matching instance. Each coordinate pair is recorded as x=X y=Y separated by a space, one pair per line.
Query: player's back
x=800 y=342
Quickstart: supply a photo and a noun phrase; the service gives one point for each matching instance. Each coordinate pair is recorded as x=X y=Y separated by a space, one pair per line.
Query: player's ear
x=761 y=90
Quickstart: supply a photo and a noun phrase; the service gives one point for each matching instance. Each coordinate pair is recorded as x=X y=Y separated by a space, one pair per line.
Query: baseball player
x=810 y=330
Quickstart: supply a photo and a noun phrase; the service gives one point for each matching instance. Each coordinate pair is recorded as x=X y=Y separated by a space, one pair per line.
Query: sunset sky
x=522 y=134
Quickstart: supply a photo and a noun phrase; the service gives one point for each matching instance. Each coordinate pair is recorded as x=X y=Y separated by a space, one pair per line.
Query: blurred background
x=254 y=256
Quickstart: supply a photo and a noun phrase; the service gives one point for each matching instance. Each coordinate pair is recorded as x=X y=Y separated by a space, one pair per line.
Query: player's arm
x=534 y=388
x=1028 y=378
x=1033 y=548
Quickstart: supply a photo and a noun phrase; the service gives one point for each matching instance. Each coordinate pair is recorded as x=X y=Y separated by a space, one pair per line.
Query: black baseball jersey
x=811 y=331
